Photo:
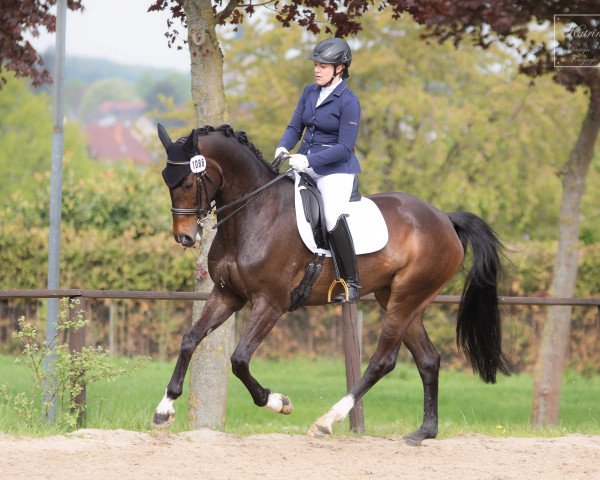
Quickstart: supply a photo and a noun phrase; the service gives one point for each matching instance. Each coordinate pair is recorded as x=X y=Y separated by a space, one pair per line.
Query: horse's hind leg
x=218 y=308
x=427 y=360
x=398 y=317
x=262 y=319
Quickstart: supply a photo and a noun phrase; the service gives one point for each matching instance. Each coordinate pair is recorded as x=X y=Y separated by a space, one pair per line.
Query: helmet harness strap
x=335 y=74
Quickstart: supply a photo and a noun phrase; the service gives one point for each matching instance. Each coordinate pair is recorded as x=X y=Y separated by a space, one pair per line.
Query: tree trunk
x=557 y=329
x=210 y=364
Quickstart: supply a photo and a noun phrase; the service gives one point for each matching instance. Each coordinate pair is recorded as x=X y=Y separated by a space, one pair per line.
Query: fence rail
x=166 y=295
x=349 y=318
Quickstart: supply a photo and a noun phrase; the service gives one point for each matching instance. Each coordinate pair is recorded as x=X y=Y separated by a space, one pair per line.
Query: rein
x=248 y=198
x=201 y=213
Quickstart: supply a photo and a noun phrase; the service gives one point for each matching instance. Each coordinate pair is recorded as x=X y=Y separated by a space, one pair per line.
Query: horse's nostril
x=185 y=240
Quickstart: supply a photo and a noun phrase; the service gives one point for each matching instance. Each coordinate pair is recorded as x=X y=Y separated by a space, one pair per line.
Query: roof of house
x=114 y=142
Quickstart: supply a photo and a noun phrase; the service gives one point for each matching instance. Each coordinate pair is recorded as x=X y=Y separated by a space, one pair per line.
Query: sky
x=119 y=30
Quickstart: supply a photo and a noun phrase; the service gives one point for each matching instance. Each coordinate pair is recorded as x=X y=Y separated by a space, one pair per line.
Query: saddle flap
x=312 y=204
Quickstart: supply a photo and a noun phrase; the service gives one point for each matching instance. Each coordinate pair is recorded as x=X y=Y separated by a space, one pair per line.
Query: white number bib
x=198 y=164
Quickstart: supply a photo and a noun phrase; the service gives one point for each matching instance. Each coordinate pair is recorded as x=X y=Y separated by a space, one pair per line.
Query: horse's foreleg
x=427 y=360
x=219 y=306
x=262 y=319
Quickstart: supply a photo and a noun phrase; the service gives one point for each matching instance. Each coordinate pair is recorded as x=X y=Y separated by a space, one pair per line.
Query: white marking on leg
x=278 y=402
x=275 y=402
x=165 y=406
x=337 y=413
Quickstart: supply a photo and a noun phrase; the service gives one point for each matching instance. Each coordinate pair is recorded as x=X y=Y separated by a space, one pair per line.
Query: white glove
x=281 y=150
x=298 y=162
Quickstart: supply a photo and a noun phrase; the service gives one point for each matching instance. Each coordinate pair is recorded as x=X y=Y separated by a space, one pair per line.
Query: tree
x=25 y=136
x=107 y=89
x=509 y=22
x=485 y=21
x=457 y=127
x=19 y=18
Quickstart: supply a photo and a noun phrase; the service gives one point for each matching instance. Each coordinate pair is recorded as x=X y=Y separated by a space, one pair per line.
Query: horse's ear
x=189 y=146
x=164 y=136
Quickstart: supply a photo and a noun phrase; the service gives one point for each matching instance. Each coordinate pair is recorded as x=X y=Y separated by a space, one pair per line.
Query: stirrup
x=341 y=282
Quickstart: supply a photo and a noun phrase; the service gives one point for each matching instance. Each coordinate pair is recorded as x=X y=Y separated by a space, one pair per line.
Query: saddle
x=312 y=204
x=314 y=213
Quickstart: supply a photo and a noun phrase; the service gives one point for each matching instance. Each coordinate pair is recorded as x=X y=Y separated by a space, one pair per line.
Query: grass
x=392 y=407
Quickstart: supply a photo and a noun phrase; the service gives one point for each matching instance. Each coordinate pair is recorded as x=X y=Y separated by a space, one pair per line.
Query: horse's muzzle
x=185 y=240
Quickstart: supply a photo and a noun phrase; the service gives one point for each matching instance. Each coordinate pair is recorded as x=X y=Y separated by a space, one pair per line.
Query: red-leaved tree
x=20 y=19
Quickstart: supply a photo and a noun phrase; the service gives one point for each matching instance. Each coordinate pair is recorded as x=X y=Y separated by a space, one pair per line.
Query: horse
x=257 y=257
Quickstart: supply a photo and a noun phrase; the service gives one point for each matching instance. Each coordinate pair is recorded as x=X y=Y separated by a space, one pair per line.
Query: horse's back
x=421 y=237
x=407 y=211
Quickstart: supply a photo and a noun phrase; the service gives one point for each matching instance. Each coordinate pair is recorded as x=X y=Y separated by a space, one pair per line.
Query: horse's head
x=193 y=182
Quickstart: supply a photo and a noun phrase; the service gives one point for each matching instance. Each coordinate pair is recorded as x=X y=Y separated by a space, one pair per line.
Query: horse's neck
x=274 y=201
x=239 y=180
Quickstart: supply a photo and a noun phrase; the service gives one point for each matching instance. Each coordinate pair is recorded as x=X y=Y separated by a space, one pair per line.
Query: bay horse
x=258 y=257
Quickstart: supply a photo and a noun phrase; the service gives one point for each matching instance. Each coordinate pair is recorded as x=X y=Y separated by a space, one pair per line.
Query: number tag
x=198 y=164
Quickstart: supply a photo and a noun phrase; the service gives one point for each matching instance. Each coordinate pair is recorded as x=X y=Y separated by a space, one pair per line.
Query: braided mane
x=240 y=136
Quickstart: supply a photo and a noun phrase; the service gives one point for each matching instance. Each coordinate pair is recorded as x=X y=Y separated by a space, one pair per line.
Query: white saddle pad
x=367 y=225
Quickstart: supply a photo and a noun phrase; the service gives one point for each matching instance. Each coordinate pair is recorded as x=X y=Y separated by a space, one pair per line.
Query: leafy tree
x=19 y=18
x=509 y=23
x=174 y=85
x=485 y=21
x=25 y=136
x=109 y=89
x=457 y=127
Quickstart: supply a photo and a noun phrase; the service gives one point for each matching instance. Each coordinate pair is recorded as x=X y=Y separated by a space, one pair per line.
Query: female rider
x=328 y=113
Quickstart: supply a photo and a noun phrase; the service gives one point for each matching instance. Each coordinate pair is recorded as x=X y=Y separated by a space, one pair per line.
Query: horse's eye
x=188 y=186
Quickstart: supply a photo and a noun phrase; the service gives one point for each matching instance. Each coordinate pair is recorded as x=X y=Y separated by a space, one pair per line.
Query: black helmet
x=332 y=50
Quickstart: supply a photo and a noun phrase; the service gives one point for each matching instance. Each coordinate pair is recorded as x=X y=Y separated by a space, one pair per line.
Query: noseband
x=200 y=186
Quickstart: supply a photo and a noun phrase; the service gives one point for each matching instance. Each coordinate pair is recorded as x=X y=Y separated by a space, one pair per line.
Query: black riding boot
x=344 y=260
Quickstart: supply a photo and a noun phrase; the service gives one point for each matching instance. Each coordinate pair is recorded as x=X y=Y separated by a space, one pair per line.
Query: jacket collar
x=337 y=91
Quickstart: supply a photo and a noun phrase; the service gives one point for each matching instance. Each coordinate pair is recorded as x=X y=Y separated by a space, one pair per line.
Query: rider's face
x=324 y=72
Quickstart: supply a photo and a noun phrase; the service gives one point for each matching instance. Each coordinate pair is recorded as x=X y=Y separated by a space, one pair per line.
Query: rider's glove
x=281 y=150
x=298 y=162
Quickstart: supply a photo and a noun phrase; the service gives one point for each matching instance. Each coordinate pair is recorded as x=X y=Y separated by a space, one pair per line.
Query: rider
x=328 y=113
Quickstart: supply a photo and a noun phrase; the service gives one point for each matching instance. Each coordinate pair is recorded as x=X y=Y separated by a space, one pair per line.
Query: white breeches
x=336 y=190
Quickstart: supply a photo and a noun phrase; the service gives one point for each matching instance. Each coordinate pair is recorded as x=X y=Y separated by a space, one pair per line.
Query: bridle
x=201 y=179
x=201 y=213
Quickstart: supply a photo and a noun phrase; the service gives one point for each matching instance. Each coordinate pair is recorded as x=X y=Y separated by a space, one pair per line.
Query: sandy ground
x=206 y=455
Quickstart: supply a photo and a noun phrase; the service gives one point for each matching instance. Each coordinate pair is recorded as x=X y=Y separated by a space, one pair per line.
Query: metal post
x=352 y=354
x=55 y=199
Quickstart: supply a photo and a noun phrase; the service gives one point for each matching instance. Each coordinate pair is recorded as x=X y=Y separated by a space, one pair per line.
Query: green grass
x=392 y=407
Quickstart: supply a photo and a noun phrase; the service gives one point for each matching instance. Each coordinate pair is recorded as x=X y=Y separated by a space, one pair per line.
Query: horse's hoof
x=163 y=420
x=286 y=405
x=413 y=441
x=318 y=431
x=415 y=438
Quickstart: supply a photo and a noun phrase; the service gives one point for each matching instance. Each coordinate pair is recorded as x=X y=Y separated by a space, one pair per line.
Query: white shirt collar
x=325 y=91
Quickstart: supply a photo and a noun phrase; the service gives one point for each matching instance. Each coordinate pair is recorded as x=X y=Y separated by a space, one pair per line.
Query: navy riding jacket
x=330 y=129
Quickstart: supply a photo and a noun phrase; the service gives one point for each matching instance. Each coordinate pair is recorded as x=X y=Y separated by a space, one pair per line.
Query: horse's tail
x=478 y=328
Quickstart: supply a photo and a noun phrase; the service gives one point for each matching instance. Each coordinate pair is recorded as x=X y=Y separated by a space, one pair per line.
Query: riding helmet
x=333 y=50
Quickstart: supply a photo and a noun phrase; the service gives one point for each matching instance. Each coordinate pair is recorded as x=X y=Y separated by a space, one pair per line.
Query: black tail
x=478 y=328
